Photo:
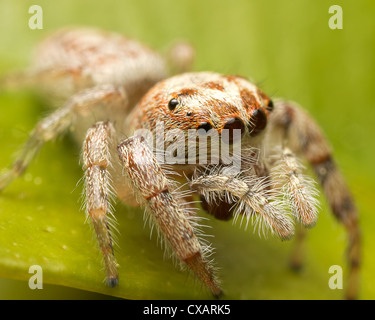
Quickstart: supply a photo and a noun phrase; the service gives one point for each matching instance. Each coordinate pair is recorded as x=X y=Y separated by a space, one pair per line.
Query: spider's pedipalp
x=155 y=194
x=298 y=188
x=251 y=196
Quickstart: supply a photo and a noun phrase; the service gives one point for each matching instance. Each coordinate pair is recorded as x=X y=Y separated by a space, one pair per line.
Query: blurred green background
x=288 y=48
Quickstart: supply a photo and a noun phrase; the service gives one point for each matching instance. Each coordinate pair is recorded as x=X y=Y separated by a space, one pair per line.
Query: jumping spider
x=110 y=87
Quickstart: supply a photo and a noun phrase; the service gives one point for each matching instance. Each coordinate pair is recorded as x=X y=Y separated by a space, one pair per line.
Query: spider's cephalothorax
x=238 y=149
x=207 y=102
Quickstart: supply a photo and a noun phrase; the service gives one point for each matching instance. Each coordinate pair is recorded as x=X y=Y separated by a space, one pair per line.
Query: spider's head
x=205 y=101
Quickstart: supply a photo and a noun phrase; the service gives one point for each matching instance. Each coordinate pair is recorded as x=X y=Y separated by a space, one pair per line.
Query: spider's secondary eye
x=173 y=104
x=258 y=122
x=270 y=105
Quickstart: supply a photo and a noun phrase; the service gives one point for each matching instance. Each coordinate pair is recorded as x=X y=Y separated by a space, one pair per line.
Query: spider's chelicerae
x=144 y=133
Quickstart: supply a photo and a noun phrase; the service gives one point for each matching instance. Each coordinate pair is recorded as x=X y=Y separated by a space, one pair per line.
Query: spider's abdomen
x=84 y=57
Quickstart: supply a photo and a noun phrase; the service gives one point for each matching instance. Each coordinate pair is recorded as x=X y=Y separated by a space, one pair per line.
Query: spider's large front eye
x=258 y=122
x=173 y=104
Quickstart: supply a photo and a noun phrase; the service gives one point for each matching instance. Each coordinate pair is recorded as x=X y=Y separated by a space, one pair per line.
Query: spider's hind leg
x=58 y=122
x=303 y=136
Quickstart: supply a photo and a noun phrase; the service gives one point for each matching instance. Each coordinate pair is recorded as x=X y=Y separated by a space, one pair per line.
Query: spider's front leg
x=96 y=158
x=154 y=192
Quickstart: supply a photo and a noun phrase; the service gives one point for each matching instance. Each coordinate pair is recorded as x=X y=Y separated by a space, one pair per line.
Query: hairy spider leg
x=303 y=136
x=97 y=158
x=152 y=189
x=57 y=123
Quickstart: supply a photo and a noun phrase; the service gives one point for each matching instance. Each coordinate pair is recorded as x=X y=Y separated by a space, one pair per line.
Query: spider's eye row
x=172 y=104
